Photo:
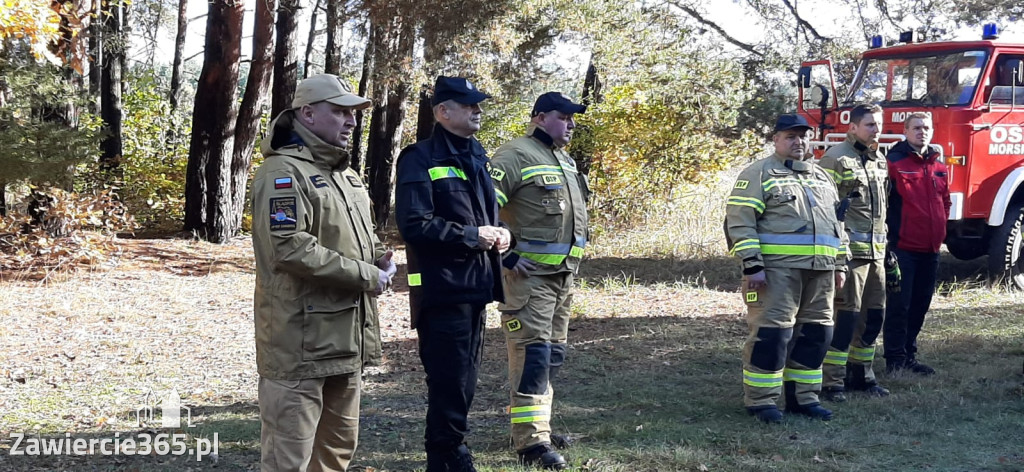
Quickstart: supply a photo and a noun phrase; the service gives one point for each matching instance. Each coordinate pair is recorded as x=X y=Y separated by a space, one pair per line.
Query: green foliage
x=44 y=130
x=155 y=155
x=504 y=122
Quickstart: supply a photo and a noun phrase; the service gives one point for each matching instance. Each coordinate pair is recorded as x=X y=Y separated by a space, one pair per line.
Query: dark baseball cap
x=556 y=101
x=456 y=88
x=790 y=121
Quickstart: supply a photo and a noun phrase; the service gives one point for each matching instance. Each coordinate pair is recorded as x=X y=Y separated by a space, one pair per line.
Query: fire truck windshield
x=949 y=78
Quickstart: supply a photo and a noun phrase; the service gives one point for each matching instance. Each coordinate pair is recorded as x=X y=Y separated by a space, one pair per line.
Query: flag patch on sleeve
x=318 y=181
x=283 y=182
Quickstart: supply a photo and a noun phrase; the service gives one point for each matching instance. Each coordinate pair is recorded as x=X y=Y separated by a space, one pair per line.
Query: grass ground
x=651 y=383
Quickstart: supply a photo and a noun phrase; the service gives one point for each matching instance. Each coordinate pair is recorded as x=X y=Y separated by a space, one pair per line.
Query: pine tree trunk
x=386 y=123
x=114 y=44
x=253 y=102
x=356 y=161
x=311 y=39
x=424 y=117
x=335 y=27
x=179 y=52
x=208 y=179
x=96 y=56
x=285 y=56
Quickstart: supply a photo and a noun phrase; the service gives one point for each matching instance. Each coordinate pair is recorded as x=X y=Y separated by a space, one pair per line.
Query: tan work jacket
x=542 y=199
x=781 y=213
x=315 y=248
x=861 y=174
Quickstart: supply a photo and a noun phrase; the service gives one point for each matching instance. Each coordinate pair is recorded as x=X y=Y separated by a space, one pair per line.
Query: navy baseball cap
x=556 y=101
x=790 y=121
x=456 y=88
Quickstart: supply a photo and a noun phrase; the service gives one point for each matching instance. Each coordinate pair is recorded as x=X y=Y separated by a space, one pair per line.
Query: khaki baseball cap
x=327 y=88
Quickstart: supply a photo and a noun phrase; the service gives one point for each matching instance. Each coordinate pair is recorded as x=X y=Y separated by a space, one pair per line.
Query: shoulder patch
x=354 y=181
x=318 y=181
x=282 y=213
x=497 y=174
x=283 y=182
x=742 y=184
x=551 y=179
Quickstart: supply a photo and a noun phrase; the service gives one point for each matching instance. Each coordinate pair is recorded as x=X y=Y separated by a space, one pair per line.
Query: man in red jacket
x=918 y=210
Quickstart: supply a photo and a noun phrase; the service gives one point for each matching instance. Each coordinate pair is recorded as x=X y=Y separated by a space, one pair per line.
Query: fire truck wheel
x=1005 y=263
x=966 y=249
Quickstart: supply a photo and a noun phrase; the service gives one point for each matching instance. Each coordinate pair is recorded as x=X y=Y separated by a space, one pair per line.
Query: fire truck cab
x=974 y=92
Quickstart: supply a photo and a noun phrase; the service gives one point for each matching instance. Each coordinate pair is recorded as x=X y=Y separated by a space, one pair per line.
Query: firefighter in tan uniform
x=781 y=222
x=319 y=268
x=861 y=176
x=543 y=200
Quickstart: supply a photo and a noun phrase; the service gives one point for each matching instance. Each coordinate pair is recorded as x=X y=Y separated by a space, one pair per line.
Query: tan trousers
x=535 y=319
x=860 y=311
x=790 y=324
x=309 y=425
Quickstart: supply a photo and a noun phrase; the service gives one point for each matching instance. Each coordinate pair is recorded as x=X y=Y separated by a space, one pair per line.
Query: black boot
x=766 y=414
x=813 y=410
x=833 y=394
x=458 y=459
x=542 y=455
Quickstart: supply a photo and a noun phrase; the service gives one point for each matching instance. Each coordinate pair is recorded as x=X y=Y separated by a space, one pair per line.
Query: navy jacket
x=443 y=195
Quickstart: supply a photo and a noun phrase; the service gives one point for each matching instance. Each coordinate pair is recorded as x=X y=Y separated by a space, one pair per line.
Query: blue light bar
x=876 y=42
x=990 y=31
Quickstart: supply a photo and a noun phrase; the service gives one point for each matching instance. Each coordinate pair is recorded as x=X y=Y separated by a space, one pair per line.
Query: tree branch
x=803 y=23
x=697 y=16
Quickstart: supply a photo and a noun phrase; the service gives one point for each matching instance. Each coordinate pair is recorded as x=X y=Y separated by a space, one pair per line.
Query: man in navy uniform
x=448 y=215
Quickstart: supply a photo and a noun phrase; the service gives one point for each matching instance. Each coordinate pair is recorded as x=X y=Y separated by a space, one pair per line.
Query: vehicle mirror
x=804 y=77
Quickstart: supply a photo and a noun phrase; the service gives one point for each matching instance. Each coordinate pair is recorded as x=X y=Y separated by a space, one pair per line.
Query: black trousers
x=451 y=347
x=904 y=311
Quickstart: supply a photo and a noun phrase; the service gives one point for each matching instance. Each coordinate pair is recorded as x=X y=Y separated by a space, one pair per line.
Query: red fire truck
x=974 y=91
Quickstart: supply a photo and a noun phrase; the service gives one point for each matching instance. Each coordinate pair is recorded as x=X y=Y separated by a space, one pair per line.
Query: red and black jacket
x=918 y=200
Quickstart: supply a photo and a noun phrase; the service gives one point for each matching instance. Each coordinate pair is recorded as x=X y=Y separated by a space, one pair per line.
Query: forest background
x=106 y=122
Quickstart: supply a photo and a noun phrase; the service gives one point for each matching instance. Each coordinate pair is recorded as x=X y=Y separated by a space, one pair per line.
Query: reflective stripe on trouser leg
x=834 y=368
x=770 y=315
x=530 y=333
x=871 y=320
x=847 y=320
x=812 y=335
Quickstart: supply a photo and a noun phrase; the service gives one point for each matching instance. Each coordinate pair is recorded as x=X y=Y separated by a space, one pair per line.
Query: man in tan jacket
x=542 y=198
x=861 y=178
x=319 y=268
x=781 y=223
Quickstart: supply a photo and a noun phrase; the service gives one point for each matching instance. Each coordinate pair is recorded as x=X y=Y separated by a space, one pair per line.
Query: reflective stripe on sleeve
x=438 y=173
x=745 y=244
x=415 y=280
